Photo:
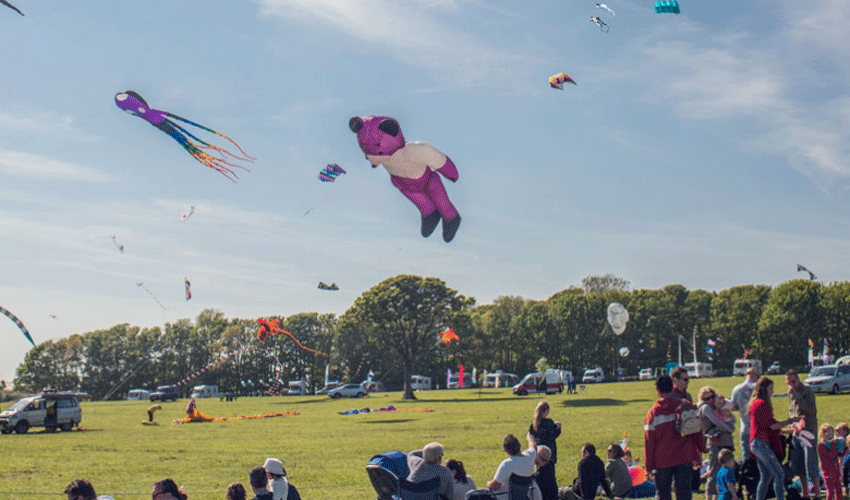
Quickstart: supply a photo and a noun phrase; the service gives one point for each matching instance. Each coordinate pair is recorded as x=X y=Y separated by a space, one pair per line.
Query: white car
x=348 y=391
x=646 y=374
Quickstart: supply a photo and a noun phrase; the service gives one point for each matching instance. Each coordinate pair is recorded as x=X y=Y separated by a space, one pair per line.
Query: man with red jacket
x=670 y=456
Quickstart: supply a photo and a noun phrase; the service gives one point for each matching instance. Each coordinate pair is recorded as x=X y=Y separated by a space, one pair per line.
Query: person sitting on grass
x=167 y=489
x=518 y=462
x=279 y=485
x=235 y=491
x=80 y=489
x=259 y=482
x=462 y=482
x=427 y=464
x=617 y=472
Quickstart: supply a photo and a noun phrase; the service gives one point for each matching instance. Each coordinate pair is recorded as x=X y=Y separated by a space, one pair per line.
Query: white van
x=593 y=376
x=420 y=383
x=500 y=379
x=299 y=387
x=548 y=382
x=700 y=370
x=645 y=374
x=138 y=395
x=740 y=367
x=205 y=391
x=49 y=409
x=467 y=381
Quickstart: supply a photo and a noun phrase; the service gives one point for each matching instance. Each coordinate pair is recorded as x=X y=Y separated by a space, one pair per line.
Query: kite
x=186 y=215
x=668 y=6
x=217 y=159
x=53 y=316
x=270 y=328
x=803 y=268
x=557 y=81
x=447 y=336
x=188 y=288
x=17 y=322
x=609 y=9
x=119 y=245
x=325 y=286
x=599 y=22
x=7 y=4
x=329 y=173
x=618 y=317
x=624 y=351
x=142 y=285
x=197 y=416
x=413 y=170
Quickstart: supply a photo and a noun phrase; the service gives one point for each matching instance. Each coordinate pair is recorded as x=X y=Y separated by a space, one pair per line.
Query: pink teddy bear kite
x=411 y=166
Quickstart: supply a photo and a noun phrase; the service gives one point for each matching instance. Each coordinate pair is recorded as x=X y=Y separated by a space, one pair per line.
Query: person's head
x=258 y=478
x=615 y=451
x=792 y=379
x=541 y=412
x=752 y=374
x=726 y=458
x=680 y=378
x=587 y=450
x=763 y=390
x=80 y=489
x=511 y=445
x=432 y=453
x=544 y=454
x=274 y=468
x=826 y=432
x=707 y=395
x=842 y=430
x=167 y=489
x=664 y=385
x=458 y=471
x=235 y=491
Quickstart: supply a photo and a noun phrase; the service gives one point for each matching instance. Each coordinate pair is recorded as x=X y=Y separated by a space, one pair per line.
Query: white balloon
x=618 y=317
x=624 y=351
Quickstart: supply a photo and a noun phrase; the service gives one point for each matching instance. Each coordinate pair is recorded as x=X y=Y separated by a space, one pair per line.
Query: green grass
x=324 y=453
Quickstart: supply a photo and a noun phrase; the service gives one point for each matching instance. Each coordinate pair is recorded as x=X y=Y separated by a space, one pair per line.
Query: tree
x=407 y=313
x=793 y=314
x=605 y=283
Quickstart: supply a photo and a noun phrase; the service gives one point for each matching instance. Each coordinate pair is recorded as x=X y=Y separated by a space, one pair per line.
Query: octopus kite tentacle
x=268 y=328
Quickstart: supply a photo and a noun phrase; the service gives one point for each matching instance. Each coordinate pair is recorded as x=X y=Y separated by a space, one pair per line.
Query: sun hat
x=274 y=466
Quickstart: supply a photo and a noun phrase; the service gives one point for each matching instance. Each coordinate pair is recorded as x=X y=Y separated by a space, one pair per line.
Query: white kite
x=599 y=22
x=618 y=317
x=624 y=351
x=186 y=215
x=609 y=9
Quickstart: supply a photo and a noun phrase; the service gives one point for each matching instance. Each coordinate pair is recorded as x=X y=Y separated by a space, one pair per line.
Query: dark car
x=165 y=393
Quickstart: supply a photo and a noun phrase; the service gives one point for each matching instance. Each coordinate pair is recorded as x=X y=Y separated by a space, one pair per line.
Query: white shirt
x=522 y=465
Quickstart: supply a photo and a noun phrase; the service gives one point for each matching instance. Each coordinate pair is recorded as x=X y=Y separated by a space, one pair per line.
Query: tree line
x=392 y=330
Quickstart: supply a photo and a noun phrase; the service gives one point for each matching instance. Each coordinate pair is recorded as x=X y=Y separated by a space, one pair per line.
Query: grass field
x=324 y=453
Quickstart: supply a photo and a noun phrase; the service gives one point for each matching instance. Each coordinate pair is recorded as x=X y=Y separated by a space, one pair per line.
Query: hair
x=627 y=451
x=544 y=452
x=705 y=393
x=432 y=452
x=235 y=491
x=725 y=456
x=168 y=485
x=456 y=466
x=81 y=487
x=511 y=445
x=678 y=372
x=842 y=428
x=589 y=449
x=824 y=428
x=752 y=371
x=617 y=450
x=539 y=414
x=791 y=372
x=664 y=384
x=760 y=392
x=258 y=477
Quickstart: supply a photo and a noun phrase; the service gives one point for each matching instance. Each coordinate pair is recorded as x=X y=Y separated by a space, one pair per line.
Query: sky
x=709 y=149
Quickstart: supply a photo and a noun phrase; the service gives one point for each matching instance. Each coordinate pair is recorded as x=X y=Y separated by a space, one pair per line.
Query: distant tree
x=605 y=283
x=793 y=315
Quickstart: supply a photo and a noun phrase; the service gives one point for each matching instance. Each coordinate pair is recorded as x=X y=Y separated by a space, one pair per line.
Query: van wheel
x=67 y=426
x=50 y=428
x=835 y=389
x=336 y=396
x=22 y=427
x=6 y=431
x=522 y=393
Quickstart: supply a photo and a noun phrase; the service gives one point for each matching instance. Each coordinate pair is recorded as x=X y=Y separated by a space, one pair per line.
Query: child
x=842 y=430
x=627 y=457
x=726 y=477
x=829 y=451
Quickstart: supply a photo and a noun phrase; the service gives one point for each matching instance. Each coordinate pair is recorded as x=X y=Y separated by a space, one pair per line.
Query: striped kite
x=7 y=4
x=19 y=323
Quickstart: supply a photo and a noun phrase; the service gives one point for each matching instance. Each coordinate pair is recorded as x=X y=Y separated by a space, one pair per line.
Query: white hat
x=274 y=466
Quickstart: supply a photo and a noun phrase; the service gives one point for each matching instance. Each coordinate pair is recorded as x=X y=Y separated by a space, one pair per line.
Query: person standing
x=671 y=456
x=718 y=433
x=545 y=432
x=801 y=403
x=681 y=379
x=741 y=395
x=765 y=445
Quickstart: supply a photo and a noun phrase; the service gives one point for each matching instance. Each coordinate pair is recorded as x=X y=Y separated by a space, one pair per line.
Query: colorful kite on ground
x=330 y=173
x=7 y=4
x=142 y=285
x=119 y=245
x=385 y=409
x=413 y=170
x=186 y=215
x=618 y=317
x=188 y=288
x=666 y=6
x=599 y=22
x=325 y=286
x=19 y=324
x=609 y=9
x=219 y=160
x=197 y=416
x=803 y=268
x=447 y=336
x=557 y=81
x=270 y=328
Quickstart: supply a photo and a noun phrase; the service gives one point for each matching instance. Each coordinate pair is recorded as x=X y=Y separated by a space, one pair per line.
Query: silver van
x=829 y=378
x=49 y=409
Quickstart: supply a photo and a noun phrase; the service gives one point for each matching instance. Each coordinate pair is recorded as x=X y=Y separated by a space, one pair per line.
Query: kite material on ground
x=197 y=416
x=666 y=6
x=142 y=285
x=217 y=158
x=557 y=81
x=599 y=22
x=447 y=336
x=413 y=168
x=119 y=245
x=803 y=268
x=330 y=173
x=388 y=408
x=605 y=7
x=618 y=317
x=186 y=215
x=19 y=324
x=325 y=286
x=7 y=4
x=270 y=328
x=188 y=288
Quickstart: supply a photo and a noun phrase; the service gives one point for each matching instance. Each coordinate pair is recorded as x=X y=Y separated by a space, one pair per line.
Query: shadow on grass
x=302 y=402
x=583 y=403
x=475 y=398
x=396 y=421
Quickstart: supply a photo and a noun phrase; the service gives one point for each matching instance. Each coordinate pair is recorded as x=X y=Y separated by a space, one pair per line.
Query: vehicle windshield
x=823 y=371
x=20 y=405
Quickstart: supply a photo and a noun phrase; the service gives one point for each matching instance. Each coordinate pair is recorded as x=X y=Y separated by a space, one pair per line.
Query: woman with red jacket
x=764 y=440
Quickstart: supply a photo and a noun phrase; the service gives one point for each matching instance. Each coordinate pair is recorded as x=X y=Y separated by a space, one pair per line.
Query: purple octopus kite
x=412 y=167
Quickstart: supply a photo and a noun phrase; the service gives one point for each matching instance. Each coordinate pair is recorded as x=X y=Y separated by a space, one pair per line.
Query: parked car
x=348 y=391
x=645 y=374
x=774 y=369
x=593 y=376
x=829 y=378
x=333 y=384
x=205 y=391
x=165 y=393
x=49 y=409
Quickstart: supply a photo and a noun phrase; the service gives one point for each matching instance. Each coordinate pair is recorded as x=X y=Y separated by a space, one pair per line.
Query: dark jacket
x=546 y=434
x=591 y=474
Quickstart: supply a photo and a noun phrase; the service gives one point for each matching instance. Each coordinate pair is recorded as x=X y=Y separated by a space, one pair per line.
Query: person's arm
x=604 y=480
x=712 y=417
x=731 y=487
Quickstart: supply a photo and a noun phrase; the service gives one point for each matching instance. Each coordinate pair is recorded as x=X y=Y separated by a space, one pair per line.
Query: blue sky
x=708 y=149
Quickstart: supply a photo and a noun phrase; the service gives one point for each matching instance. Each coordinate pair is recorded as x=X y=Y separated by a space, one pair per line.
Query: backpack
x=687 y=419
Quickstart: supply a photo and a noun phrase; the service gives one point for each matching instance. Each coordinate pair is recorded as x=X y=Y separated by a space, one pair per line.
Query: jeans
x=769 y=468
x=681 y=475
x=804 y=460
x=745 y=439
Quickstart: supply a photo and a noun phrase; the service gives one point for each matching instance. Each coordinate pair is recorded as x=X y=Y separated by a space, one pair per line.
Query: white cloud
x=38 y=122
x=35 y=165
